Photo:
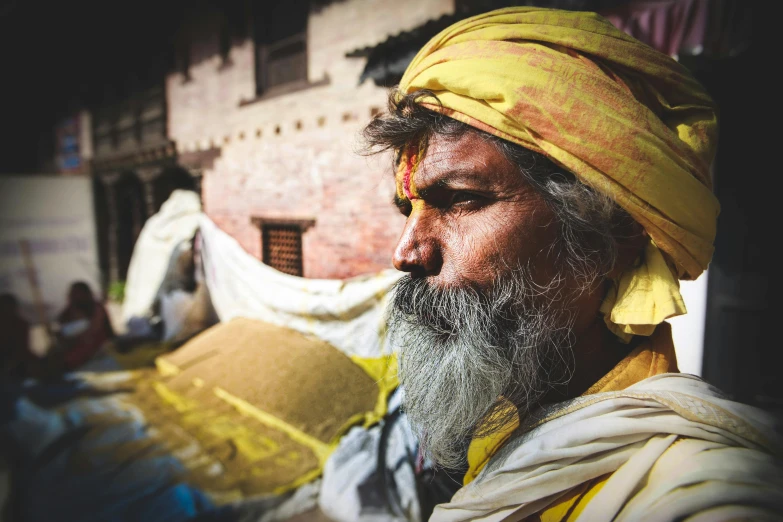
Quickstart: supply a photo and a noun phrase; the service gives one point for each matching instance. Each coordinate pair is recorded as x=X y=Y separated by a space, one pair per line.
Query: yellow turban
x=625 y=119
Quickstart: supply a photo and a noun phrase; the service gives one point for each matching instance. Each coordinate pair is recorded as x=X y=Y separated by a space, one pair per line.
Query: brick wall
x=293 y=156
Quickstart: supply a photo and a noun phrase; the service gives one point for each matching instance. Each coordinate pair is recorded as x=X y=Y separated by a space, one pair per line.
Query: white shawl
x=724 y=465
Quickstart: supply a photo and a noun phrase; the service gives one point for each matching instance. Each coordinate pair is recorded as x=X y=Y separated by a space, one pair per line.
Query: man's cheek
x=471 y=258
x=487 y=237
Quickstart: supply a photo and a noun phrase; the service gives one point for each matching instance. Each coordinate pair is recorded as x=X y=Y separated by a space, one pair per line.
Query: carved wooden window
x=281 y=44
x=281 y=243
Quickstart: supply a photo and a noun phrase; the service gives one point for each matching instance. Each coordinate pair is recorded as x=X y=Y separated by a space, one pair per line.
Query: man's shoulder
x=694 y=476
x=671 y=439
x=673 y=476
x=690 y=477
x=676 y=404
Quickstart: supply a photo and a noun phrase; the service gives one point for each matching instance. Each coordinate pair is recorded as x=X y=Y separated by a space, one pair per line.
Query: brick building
x=272 y=111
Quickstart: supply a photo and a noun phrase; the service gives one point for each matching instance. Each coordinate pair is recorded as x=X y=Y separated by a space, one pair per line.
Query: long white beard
x=461 y=350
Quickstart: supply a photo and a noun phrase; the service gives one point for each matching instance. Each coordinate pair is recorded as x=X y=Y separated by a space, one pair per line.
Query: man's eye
x=465 y=198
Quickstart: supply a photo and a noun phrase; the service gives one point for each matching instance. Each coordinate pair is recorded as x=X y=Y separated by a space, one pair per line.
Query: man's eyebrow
x=451 y=178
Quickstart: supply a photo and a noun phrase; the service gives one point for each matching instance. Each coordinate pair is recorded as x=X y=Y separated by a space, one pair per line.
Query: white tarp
x=349 y=314
x=54 y=215
x=165 y=236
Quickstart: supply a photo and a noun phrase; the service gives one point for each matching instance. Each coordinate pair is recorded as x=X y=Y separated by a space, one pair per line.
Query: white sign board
x=54 y=215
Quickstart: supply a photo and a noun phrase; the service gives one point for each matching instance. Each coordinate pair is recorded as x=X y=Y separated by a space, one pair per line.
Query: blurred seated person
x=15 y=354
x=84 y=326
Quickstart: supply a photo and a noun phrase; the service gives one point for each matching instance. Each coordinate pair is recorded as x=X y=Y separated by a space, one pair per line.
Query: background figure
x=15 y=355
x=84 y=327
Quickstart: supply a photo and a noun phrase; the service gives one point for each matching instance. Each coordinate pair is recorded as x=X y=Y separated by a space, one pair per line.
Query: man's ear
x=632 y=238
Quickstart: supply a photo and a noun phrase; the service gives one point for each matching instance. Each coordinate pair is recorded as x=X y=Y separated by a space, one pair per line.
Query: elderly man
x=555 y=177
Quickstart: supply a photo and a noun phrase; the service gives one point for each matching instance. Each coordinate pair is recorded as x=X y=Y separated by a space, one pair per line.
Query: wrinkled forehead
x=466 y=160
x=425 y=160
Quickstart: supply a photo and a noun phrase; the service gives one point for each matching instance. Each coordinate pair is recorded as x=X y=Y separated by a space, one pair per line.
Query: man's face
x=474 y=219
x=483 y=313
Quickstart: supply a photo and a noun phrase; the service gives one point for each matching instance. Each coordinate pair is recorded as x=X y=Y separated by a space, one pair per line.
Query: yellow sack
x=263 y=403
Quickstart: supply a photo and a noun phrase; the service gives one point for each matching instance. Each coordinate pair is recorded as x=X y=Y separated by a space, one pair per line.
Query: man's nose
x=417 y=250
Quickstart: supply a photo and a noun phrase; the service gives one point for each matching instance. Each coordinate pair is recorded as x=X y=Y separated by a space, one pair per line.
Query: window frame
x=265 y=225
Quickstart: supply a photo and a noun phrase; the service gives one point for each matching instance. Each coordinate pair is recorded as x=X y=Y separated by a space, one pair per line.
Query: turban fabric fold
x=623 y=118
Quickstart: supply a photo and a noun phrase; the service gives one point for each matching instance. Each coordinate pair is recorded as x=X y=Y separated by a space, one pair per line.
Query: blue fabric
x=71 y=467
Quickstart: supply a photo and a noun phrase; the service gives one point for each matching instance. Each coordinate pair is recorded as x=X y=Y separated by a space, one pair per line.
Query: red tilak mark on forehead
x=406 y=177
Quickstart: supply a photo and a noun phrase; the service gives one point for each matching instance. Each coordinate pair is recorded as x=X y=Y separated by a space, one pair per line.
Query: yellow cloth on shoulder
x=622 y=117
x=481 y=449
